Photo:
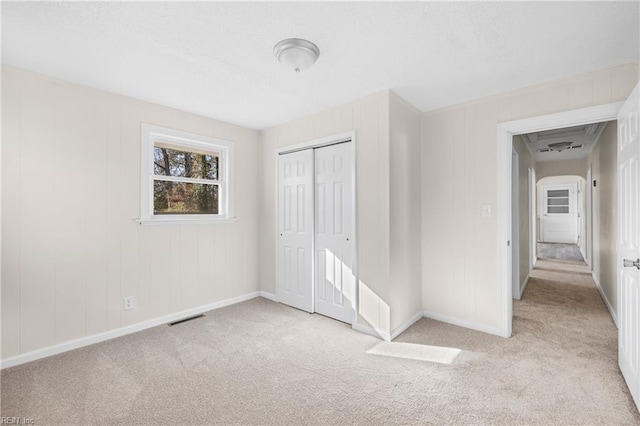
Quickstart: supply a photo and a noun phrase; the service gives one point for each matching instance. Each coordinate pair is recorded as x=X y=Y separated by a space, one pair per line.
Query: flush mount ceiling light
x=296 y=54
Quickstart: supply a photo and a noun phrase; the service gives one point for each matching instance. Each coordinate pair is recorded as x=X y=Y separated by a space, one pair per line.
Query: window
x=558 y=201
x=185 y=178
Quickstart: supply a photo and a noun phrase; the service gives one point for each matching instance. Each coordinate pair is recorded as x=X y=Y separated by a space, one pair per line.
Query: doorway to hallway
x=618 y=293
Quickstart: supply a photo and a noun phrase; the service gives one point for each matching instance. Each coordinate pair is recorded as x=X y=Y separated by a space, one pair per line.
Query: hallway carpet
x=259 y=362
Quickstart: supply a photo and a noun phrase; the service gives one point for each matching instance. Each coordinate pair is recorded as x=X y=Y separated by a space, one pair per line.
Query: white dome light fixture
x=296 y=53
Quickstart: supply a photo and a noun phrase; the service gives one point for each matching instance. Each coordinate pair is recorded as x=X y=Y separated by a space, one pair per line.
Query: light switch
x=486 y=210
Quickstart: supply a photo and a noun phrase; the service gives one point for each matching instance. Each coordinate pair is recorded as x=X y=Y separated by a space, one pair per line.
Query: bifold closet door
x=295 y=230
x=335 y=286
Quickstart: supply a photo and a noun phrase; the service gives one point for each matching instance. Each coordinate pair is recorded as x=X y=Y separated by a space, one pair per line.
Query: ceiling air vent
x=560 y=146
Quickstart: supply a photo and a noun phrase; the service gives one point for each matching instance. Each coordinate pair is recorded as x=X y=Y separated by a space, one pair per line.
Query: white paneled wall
x=576 y=167
x=70 y=188
x=70 y=192
x=370 y=118
x=404 y=151
x=603 y=158
x=459 y=276
x=388 y=202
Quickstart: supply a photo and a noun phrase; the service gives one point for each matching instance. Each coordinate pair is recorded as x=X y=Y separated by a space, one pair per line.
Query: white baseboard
x=268 y=295
x=606 y=301
x=372 y=331
x=408 y=323
x=122 y=331
x=464 y=323
x=523 y=286
x=584 y=255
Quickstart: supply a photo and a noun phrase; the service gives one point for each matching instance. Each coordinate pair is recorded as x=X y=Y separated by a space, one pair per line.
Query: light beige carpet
x=259 y=362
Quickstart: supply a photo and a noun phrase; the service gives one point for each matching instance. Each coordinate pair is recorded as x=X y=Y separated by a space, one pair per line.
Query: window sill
x=194 y=221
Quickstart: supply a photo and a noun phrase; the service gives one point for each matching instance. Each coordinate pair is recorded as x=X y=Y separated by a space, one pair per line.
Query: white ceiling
x=581 y=138
x=216 y=59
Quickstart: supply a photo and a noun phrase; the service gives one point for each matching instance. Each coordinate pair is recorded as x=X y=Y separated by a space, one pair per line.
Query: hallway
x=561 y=364
x=576 y=336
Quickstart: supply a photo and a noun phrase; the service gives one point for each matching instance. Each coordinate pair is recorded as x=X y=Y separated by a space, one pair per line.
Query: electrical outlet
x=129 y=303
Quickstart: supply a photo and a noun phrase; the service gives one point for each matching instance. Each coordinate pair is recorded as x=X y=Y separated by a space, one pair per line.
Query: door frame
x=515 y=223
x=505 y=133
x=533 y=210
x=349 y=136
x=588 y=213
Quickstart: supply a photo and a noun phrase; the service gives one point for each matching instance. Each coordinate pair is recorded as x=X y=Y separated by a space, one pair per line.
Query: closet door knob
x=628 y=263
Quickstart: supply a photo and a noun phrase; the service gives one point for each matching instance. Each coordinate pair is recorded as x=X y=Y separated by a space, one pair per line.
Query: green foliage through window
x=170 y=197
x=184 y=198
x=172 y=162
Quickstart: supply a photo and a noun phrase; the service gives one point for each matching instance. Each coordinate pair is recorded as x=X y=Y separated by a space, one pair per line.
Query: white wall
x=603 y=159
x=459 y=247
x=70 y=192
x=578 y=167
x=369 y=117
x=388 y=201
x=405 y=205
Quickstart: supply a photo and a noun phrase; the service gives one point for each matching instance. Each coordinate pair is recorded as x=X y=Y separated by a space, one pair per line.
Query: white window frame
x=189 y=141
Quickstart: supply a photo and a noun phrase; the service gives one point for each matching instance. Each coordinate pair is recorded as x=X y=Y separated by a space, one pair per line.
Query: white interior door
x=335 y=287
x=294 y=285
x=628 y=254
x=559 y=220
